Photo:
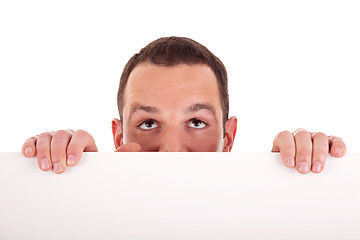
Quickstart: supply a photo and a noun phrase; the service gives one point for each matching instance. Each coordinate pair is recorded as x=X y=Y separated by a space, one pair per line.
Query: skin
x=176 y=109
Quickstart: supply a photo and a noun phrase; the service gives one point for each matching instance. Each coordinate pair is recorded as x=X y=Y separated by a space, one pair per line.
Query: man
x=173 y=96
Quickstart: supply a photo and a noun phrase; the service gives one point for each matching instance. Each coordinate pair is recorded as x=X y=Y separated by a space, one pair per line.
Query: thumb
x=129 y=147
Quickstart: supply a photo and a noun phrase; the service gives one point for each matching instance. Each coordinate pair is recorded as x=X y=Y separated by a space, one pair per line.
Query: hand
x=307 y=150
x=129 y=147
x=57 y=150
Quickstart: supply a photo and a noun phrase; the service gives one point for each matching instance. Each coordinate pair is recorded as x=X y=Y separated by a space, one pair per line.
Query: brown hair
x=172 y=51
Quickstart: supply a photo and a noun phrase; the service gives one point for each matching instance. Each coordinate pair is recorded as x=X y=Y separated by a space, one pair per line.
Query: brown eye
x=196 y=123
x=148 y=124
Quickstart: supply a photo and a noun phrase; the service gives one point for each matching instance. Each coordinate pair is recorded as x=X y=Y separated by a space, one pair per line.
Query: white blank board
x=179 y=196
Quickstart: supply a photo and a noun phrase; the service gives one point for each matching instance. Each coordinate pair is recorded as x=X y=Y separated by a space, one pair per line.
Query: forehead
x=174 y=86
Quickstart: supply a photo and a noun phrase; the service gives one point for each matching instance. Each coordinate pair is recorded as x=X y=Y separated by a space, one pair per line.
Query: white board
x=179 y=196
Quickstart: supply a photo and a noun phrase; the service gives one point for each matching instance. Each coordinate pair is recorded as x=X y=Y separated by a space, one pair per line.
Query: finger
x=303 y=150
x=320 y=152
x=29 y=147
x=81 y=142
x=337 y=147
x=43 y=151
x=59 y=145
x=284 y=143
x=129 y=147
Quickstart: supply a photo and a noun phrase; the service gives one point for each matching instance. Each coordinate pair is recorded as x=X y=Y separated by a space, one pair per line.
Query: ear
x=117 y=133
x=230 y=133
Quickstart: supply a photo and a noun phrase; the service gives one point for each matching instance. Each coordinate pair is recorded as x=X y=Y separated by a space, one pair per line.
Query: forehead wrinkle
x=136 y=107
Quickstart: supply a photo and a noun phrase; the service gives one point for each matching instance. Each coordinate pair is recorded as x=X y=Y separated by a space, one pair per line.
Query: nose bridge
x=171 y=140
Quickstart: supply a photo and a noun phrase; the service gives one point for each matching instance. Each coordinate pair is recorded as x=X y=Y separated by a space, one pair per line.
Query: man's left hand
x=307 y=150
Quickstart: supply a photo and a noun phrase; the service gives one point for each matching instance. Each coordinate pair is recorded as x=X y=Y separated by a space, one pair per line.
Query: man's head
x=174 y=90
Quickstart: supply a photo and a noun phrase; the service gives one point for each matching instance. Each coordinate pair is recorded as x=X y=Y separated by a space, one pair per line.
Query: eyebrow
x=136 y=107
x=202 y=106
x=199 y=106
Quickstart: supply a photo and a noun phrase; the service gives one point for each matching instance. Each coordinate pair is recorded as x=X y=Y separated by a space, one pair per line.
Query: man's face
x=173 y=109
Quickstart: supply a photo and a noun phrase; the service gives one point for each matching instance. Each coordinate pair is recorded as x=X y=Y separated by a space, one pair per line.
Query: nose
x=172 y=141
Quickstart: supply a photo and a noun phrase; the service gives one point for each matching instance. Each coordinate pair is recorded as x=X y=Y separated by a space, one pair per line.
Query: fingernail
x=44 y=164
x=290 y=162
x=28 y=150
x=71 y=160
x=316 y=167
x=57 y=167
x=303 y=167
x=338 y=151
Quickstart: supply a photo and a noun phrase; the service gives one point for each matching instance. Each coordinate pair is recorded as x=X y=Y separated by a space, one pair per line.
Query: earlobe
x=230 y=133
x=117 y=133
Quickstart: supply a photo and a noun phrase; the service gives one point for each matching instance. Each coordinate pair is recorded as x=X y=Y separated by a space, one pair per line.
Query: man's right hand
x=56 y=150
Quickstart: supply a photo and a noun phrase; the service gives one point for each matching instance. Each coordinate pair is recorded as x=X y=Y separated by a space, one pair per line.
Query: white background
x=291 y=64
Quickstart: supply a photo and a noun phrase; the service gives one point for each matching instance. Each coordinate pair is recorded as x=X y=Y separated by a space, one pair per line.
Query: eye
x=197 y=123
x=148 y=124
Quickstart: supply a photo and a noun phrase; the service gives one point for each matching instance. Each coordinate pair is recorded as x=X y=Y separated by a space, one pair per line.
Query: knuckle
x=42 y=155
x=319 y=159
x=57 y=158
x=58 y=151
x=302 y=134
x=82 y=132
x=61 y=133
x=335 y=139
x=300 y=130
x=284 y=134
x=32 y=139
x=340 y=141
x=304 y=155
x=320 y=135
x=45 y=135
x=74 y=151
x=70 y=131
x=72 y=147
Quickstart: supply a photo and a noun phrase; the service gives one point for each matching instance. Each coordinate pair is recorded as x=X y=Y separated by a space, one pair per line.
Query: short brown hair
x=172 y=51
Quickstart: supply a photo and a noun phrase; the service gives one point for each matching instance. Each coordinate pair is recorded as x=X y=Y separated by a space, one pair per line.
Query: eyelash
x=145 y=121
x=154 y=121
x=201 y=121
